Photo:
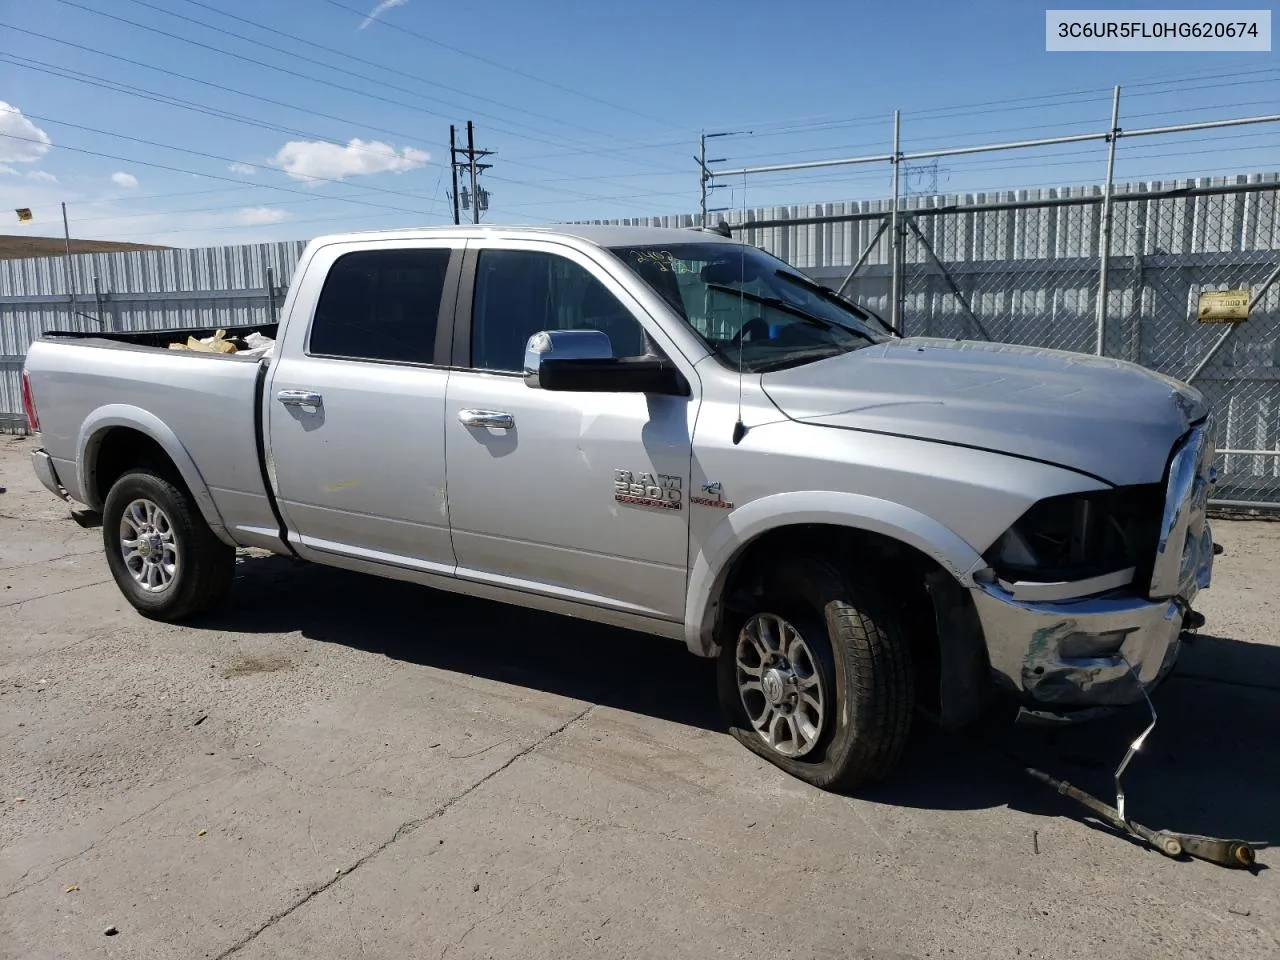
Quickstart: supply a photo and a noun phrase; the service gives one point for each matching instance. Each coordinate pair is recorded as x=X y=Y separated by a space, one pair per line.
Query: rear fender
x=95 y=427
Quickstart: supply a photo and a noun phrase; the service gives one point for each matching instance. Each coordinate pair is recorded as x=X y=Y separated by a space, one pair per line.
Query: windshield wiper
x=779 y=304
x=831 y=296
x=796 y=359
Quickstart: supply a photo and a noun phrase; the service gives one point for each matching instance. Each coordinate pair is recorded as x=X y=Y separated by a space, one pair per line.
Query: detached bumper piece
x=1225 y=853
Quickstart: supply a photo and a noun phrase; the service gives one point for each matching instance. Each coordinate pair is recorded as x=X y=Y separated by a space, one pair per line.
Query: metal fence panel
x=135 y=290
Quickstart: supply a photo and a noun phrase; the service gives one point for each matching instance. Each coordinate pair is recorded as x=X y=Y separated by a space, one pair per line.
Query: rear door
x=356 y=406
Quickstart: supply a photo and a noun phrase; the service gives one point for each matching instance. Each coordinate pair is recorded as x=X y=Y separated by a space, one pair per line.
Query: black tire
x=204 y=565
x=861 y=659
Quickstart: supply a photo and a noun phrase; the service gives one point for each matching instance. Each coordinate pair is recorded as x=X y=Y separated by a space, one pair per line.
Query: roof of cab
x=604 y=235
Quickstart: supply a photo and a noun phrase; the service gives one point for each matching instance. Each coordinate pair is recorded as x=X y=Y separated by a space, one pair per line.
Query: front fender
x=124 y=415
x=853 y=510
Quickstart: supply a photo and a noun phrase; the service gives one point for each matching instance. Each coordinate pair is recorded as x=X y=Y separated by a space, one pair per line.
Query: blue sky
x=242 y=134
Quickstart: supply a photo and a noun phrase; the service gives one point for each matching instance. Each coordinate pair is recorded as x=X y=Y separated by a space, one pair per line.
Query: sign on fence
x=1223 y=306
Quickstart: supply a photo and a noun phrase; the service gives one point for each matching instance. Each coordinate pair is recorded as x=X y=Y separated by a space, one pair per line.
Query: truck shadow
x=496 y=641
x=1211 y=767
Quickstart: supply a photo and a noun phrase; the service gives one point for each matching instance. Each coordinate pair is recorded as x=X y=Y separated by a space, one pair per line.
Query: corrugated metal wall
x=137 y=290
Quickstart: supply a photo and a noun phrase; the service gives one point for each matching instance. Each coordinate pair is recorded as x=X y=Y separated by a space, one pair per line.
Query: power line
x=381 y=66
x=270 y=66
x=804 y=124
x=114 y=86
x=352 y=73
x=186 y=210
x=216 y=86
x=321 y=80
x=201 y=153
x=143 y=93
x=383 y=22
x=161 y=196
x=197 y=173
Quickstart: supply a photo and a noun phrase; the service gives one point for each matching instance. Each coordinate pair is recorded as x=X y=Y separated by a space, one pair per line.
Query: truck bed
x=204 y=409
x=159 y=339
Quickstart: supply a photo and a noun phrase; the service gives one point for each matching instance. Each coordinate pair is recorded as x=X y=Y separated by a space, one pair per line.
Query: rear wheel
x=162 y=554
x=816 y=677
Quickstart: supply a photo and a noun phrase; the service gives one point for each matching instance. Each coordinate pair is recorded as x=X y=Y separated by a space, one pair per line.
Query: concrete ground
x=338 y=766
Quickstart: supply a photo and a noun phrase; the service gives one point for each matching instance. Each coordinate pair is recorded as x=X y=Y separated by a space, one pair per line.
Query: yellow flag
x=24 y=214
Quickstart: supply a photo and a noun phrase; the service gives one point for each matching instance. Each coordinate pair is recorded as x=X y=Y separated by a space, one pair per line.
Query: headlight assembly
x=1080 y=537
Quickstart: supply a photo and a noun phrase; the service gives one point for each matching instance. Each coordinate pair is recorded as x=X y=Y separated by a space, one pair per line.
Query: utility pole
x=702 y=179
x=705 y=174
x=464 y=158
x=471 y=156
x=453 y=166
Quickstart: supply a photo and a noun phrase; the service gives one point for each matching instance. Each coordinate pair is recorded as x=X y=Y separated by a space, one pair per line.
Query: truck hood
x=1109 y=418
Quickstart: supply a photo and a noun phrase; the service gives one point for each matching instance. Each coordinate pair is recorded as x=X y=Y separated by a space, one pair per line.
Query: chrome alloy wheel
x=148 y=546
x=779 y=685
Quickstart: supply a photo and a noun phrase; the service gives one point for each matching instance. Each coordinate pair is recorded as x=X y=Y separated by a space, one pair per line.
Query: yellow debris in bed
x=215 y=344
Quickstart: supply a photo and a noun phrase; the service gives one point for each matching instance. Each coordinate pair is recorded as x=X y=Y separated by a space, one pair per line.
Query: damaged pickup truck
x=672 y=432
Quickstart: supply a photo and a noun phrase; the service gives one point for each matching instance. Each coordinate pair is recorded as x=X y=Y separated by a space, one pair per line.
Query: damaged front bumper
x=1108 y=648
x=1099 y=651
x=1092 y=652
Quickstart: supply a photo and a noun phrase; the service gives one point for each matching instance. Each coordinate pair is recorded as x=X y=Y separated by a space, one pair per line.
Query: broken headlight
x=1081 y=536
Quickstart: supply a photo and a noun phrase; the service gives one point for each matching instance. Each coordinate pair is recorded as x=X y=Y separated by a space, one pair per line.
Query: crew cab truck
x=676 y=433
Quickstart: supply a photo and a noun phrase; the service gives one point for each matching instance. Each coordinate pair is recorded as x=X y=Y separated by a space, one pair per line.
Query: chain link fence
x=1029 y=272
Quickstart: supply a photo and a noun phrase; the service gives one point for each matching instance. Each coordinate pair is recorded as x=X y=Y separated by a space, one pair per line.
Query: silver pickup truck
x=673 y=432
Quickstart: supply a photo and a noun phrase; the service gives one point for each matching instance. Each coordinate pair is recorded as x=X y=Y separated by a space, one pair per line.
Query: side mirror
x=582 y=361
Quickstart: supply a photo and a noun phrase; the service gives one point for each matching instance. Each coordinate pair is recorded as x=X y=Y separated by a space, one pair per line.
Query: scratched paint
x=340 y=485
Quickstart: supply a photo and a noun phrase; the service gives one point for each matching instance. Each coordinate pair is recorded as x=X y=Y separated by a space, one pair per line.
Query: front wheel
x=817 y=679
x=162 y=554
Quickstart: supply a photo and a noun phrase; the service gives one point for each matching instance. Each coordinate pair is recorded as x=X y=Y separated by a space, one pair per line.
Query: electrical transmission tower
x=922 y=178
x=474 y=197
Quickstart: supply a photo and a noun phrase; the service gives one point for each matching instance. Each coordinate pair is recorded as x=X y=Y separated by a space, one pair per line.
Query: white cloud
x=255 y=216
x=41 y=175
x=22 y=140
x=7 y=170
x=306 y=160
x=379 y=10
x=126 y=180
x=243 y=169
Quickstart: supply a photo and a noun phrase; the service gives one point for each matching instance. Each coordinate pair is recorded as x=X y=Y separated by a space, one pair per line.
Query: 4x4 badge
x=715 y=496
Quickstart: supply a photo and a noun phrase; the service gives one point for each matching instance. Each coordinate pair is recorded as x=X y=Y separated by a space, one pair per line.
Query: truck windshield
x=756 y=312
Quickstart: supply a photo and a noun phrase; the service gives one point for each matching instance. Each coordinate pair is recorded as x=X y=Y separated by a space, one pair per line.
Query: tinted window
x=519 y=292
x=381 y=305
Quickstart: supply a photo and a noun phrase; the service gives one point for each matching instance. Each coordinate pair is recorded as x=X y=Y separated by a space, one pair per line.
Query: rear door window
x=381 y=305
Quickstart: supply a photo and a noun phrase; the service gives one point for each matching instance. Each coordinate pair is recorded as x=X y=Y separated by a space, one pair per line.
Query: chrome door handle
x=299 y=398
x=486 y=418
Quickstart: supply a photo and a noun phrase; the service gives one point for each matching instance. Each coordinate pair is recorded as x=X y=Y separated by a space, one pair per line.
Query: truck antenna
x=739 y=428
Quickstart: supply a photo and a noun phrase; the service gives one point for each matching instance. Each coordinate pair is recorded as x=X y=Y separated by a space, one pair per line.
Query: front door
x=356 y=413
x=578 y=495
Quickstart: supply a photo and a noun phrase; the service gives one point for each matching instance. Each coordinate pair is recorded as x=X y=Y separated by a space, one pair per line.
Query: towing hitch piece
x=1225 y=853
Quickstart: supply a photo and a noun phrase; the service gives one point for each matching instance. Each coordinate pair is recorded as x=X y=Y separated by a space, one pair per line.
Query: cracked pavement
x=338 y=766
